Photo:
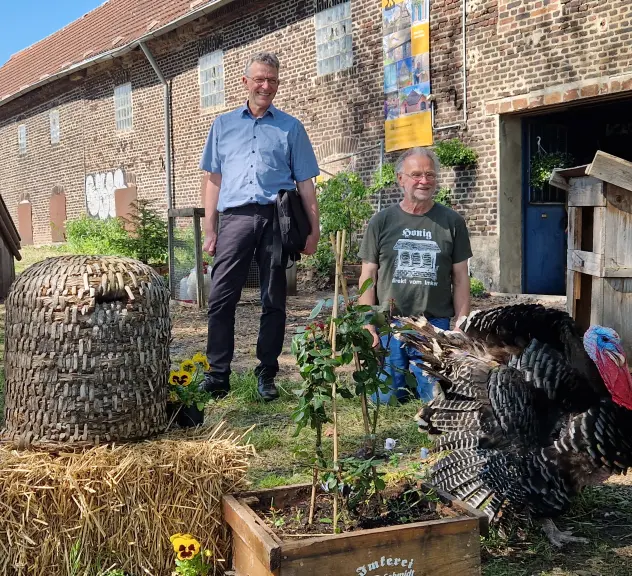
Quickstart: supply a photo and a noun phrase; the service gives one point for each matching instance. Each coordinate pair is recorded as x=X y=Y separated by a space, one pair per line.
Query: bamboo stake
x=364 y=403
x=312 y=503
x=339 y=240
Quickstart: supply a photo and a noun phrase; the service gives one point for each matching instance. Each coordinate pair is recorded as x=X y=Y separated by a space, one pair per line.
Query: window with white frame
x=334 y=42
x=123 y=106
x=211 y=67
x=54 y=126
x=22 y=138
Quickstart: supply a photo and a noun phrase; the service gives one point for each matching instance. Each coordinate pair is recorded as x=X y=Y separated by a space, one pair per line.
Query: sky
x=24 y=22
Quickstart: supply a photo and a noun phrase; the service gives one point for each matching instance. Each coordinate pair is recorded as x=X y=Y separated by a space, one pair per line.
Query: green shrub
x=344 y=205
x=477 y=288
x=149 y=237
x=383 y=178
x=454 y=153
x=444 y=196
x=86 y=235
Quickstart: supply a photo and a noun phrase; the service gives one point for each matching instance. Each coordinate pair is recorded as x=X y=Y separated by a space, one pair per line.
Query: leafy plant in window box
x=453 y=153
x=290 y=537
x=318 y=356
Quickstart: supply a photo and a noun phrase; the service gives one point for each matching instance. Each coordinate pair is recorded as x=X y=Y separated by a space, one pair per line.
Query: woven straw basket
x=87 y=352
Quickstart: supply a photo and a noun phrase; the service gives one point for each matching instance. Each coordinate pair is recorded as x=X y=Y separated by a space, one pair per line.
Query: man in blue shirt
x=250 y=155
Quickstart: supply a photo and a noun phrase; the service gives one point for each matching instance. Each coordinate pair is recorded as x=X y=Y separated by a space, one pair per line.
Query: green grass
x=33 y=254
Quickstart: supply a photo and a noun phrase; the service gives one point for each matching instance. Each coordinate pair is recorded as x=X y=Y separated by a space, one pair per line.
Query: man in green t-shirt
x=416 y=252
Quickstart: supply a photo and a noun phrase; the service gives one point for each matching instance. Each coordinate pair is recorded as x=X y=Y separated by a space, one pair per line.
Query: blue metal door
x=544 y=215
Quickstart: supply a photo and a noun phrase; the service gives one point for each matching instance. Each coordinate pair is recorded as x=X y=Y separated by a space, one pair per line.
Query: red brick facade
x=520 y=55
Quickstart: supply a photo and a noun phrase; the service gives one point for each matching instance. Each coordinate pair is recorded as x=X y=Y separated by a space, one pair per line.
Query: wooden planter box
x=446 y=547
x=599 y=260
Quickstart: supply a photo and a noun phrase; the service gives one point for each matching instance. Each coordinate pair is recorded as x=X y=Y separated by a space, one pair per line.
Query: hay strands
x=121 y=502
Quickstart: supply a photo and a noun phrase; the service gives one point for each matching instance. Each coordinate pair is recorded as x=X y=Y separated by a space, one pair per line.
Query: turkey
x=527 y=412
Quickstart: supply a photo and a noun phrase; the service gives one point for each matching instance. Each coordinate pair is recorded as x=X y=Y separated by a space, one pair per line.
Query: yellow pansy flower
x=173 y=397
x=187 y=366
x=179 y=378
x=200 y=359
x=187 y=548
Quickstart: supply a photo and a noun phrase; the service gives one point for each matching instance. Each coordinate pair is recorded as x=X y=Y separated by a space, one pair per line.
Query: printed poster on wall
x=406 y=47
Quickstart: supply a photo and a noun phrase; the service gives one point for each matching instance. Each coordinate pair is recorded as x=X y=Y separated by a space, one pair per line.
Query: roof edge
x=115 y=53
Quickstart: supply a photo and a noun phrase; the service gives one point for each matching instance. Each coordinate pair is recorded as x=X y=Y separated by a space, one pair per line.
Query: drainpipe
x=168 y=156
x=379 y=193
x=463 y=123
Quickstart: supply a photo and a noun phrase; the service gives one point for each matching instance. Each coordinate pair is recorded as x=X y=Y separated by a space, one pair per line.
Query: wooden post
x=197 y=236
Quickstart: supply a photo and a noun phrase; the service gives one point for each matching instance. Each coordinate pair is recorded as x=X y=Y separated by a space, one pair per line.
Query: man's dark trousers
x=245 y=231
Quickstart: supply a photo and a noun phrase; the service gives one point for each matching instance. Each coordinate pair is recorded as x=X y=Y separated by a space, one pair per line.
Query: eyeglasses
x=261 y=81
x=419 y=176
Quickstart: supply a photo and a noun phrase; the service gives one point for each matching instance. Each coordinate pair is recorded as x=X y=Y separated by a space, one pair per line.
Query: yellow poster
x=406 y=49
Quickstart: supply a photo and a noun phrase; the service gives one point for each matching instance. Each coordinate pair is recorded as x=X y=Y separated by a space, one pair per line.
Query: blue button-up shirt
x=257 y=157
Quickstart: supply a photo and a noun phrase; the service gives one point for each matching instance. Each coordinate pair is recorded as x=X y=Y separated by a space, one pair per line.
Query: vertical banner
x=406 y=47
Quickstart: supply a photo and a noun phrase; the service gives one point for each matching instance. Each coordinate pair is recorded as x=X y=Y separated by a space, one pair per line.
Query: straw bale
x=87 y=352
x=121 y=502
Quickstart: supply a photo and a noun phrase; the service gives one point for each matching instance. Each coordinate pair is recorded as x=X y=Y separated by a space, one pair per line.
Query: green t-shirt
x=415 y=254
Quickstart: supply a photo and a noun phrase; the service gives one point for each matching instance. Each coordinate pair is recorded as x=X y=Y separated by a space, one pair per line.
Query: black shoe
x=266 y=387
x=218 y=387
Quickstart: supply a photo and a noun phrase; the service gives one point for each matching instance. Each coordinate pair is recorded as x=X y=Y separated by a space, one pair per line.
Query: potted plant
x=348 y=520
x=187 y=396
x=542 y=165
x=453 y=153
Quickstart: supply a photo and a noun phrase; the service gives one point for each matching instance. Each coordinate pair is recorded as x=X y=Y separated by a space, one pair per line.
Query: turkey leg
x=557 y=538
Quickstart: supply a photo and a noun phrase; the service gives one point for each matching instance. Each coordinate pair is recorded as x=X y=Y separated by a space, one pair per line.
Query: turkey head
x=603 y=345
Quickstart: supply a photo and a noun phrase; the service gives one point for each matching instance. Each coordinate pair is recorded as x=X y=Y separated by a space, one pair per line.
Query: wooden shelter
x=9 y=249
x=599 y=258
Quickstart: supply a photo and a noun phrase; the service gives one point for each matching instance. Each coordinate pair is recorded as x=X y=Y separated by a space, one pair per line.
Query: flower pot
x=449 y=545
x=171 y=409
x=190 y=416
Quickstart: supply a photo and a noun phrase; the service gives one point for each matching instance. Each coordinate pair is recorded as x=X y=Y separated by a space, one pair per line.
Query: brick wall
x=520 y=55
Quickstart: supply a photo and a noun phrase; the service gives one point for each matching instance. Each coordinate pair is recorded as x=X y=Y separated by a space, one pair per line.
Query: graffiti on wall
x=100 y=192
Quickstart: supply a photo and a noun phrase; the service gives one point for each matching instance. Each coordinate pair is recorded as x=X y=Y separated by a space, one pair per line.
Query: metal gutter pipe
x=463 y=123
x=168 y=156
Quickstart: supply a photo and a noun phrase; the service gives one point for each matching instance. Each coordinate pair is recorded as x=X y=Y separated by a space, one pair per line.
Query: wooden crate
x=443 y=547
x=599 y=258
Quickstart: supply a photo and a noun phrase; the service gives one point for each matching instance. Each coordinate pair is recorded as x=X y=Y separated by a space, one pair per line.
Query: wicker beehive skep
x=87 y=352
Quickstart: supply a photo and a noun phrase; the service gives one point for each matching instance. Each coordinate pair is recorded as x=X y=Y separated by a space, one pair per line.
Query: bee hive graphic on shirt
x=416 y=259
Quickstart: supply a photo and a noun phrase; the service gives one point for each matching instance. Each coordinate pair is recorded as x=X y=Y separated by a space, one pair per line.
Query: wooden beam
x=559 y=181
x=256 y=539
x=197 y=239
x=586 y=191
x=611 y=169
x=620 y=198
x=617 y=272
x=585 y=262
x=185 y=212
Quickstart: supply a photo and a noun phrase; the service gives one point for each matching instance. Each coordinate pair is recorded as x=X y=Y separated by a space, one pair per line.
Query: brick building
x=82 y=112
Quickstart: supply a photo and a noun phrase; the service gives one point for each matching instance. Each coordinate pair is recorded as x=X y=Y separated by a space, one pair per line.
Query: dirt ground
x=189 y=325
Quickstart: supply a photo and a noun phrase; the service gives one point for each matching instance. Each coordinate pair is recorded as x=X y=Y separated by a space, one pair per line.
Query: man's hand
x=311 y=244
x=210 y=241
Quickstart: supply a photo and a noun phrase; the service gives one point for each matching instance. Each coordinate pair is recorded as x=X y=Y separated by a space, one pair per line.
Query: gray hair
x=417 y=151
x=267 y=58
